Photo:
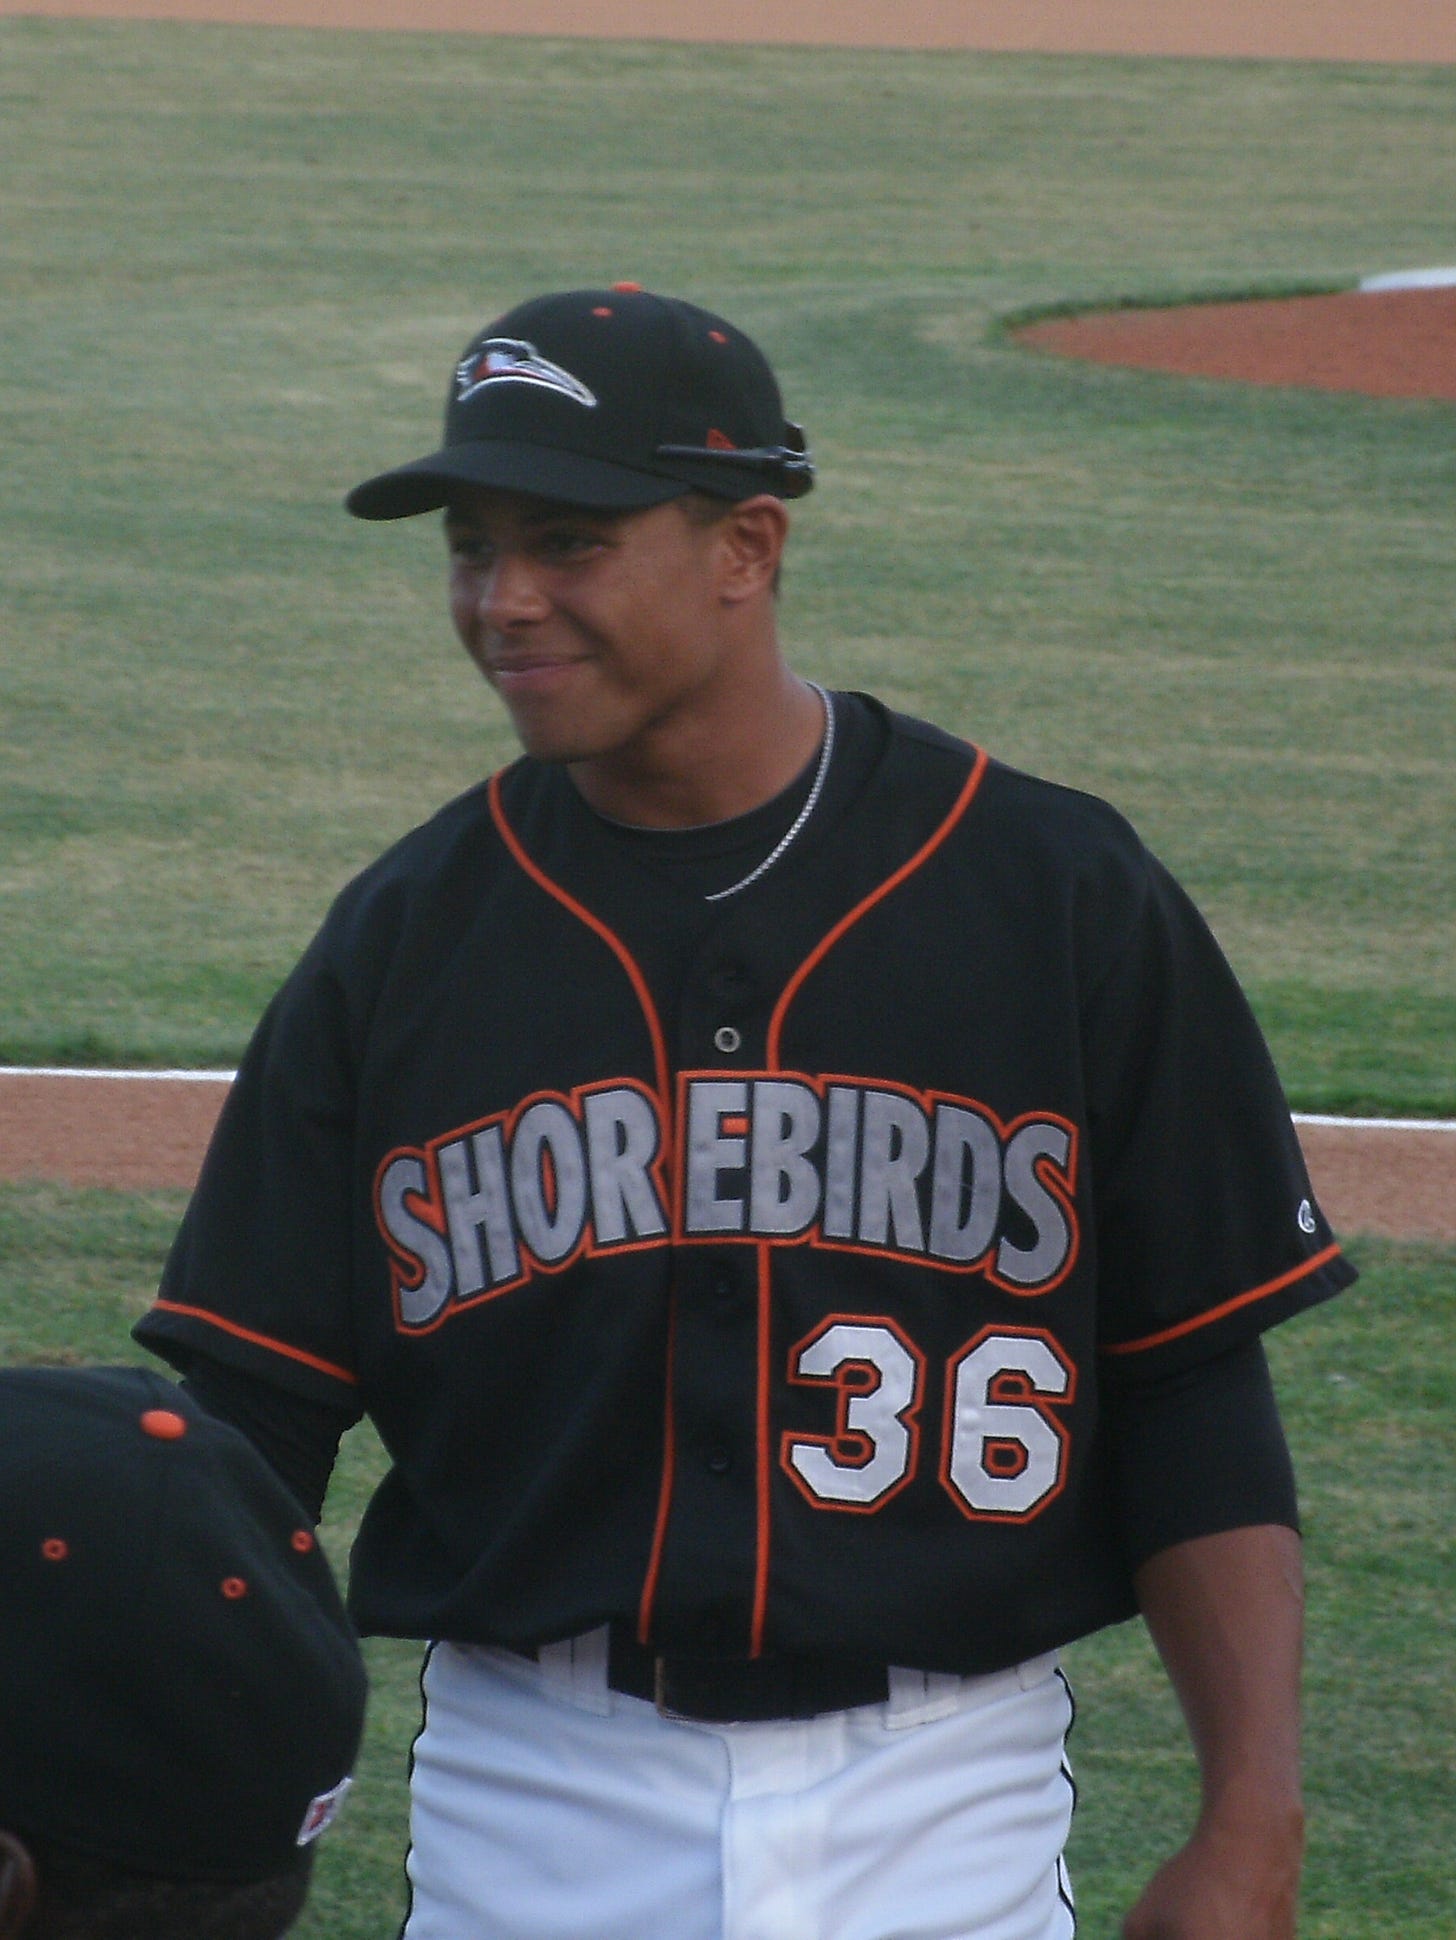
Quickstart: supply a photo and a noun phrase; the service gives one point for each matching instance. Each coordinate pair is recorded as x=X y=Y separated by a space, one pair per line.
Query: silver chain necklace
x=811 y=802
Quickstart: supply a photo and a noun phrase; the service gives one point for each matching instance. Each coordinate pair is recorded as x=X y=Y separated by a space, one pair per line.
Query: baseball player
x=181 y=1693
x=799 y=1200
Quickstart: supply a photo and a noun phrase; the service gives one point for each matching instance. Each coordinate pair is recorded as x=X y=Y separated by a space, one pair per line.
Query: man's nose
x=512 y=593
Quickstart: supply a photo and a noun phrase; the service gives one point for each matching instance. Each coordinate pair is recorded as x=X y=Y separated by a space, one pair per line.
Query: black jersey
x=763 y=1277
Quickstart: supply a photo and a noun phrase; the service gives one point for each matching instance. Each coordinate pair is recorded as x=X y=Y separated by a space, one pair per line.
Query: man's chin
x=544 y=741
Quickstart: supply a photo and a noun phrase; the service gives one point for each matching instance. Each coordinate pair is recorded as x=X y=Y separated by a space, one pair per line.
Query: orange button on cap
x=628 y=289
x=164 y=1424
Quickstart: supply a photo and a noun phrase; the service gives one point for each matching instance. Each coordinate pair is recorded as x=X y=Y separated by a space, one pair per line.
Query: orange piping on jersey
x=664 y=1499
x=664 y=1092
x=259 y=1340
x=765 y=1253
x=1229 y=1307
x=827 y=942
x=762 y=1469
x=613 y=942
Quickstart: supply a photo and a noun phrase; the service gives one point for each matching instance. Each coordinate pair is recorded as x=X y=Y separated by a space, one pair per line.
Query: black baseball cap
x=612 y=398
x=181 y=1691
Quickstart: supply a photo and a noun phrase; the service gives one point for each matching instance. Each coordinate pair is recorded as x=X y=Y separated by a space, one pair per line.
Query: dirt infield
x=1314 y=30
x=143 y=1132
x=87 y=1130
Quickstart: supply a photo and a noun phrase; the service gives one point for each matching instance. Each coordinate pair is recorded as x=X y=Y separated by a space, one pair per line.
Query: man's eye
x=569 y=542
x=469 y=550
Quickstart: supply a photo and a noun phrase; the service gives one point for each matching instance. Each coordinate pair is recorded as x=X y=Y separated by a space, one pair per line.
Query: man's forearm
x=1226 y=1613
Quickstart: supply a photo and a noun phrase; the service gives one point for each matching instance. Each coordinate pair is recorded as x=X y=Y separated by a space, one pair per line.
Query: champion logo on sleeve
x=511 y=360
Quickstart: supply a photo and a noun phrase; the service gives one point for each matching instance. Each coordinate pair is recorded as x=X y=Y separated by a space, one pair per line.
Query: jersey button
x=718 y=1461
x=724 y=1301
x=727 y=1039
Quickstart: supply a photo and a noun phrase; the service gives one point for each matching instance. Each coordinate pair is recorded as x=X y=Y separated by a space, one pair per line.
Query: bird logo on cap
x=511 y=360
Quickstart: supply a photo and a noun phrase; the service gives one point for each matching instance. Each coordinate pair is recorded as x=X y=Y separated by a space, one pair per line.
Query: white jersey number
x=1005 y=1453
x=872 y=1451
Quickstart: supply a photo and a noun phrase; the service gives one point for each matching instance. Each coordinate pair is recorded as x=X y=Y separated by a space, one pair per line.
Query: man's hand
x=1227 y=1883
x=1226 y=1614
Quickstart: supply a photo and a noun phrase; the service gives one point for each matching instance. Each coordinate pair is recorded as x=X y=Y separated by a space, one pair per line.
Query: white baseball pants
x=547 y=1807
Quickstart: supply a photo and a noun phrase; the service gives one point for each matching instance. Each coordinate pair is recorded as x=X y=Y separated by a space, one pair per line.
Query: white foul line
x=1377 y=1124
x=78 y=1071
x=1408 y=279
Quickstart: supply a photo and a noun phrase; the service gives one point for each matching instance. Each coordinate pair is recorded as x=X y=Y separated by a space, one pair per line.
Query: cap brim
x=429 y=484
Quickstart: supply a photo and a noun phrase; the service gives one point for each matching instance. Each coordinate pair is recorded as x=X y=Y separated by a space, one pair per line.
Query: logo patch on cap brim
x=511 y=360
x=322 y=1812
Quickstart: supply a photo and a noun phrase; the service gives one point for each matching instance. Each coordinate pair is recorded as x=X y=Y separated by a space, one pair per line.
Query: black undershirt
x=1194 y=1454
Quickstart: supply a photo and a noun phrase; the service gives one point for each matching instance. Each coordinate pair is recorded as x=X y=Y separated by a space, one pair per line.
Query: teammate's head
x=181 y=1693
x=51 y=1893
x=613 y=399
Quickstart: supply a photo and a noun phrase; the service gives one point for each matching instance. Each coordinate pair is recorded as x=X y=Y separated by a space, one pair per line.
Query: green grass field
x=1368 y=1386
x=238 y=264
x=236 y=267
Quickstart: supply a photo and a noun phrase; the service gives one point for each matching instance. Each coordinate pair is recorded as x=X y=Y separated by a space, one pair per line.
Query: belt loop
x=917 y=1697
x=1036 y=1669
x=576 y=1669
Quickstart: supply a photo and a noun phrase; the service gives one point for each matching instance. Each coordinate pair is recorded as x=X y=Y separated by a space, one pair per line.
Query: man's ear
x=753 y=534
x=17 y=1887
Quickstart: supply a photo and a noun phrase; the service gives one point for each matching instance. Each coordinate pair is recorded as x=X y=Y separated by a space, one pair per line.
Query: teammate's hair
x=83 y=1898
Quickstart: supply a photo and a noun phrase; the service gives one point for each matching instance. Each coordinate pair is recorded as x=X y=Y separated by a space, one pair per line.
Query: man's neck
x=713 y=772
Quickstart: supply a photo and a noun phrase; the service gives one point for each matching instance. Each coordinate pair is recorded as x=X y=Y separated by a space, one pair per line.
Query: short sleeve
x=1207 y=1228
x=260 y=1274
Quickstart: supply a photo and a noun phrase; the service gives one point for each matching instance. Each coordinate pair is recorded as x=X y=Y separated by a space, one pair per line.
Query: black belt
x=723 y=1691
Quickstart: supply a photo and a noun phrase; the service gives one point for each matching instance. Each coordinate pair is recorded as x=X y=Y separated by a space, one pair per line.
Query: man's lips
x=523 y=673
